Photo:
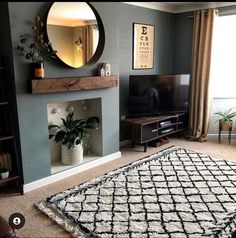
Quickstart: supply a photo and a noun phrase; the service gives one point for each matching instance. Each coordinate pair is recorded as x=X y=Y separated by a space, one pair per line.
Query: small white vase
x=73 y=155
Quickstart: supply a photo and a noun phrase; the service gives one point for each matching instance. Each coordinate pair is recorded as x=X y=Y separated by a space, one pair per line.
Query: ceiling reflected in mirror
x=74 y=30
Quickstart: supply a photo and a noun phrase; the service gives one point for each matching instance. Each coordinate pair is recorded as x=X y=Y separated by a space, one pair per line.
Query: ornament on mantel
x=107 y=69
x=101 y=70
x=104 y=69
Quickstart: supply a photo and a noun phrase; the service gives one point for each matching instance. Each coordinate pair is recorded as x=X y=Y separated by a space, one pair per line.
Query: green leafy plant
x=35 y=47
x=226 y=116
x=71 y=129
x=3 y=170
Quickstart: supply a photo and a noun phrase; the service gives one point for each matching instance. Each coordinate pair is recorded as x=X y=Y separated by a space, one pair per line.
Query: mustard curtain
x=87 y=42
x=200 y=100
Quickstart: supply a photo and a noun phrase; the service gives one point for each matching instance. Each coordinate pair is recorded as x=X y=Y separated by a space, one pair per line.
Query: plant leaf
x=51 y=136
x=59 y=136
x=226 y=116
x=53 y=126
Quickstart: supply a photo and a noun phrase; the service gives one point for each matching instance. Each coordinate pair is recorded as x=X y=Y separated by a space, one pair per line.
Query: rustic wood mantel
x=51 y=85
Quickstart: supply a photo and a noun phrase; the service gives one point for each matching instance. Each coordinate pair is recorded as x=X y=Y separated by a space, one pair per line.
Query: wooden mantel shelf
x=51 y=85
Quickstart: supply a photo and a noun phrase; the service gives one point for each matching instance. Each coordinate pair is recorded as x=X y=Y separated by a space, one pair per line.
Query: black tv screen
x=158 y=94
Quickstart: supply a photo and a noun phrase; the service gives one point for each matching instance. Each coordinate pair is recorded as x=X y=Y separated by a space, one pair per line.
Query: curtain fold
x=88 y=43
x=200 y=100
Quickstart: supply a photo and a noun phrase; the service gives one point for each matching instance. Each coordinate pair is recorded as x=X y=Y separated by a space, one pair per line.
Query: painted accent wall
x=163 y=47
x=32 y=109
x=172 y=54
x=182 y=43
x=118 y=19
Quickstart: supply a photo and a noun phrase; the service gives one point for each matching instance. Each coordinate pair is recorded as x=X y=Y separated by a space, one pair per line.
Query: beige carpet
x=38 y=225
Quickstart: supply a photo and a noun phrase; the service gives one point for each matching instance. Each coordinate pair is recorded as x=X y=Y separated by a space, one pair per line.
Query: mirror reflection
x=73 y=31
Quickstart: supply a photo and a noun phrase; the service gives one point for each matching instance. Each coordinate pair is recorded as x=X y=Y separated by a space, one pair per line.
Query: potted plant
x=4 y=173
x=71 y=134
x=225 y=119
x=36 y=48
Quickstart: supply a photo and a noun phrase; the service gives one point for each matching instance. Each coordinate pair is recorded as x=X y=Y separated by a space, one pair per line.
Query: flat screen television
x=158 y=94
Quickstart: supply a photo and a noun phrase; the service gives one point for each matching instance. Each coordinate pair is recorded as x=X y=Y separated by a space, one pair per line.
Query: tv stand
x=145 y=129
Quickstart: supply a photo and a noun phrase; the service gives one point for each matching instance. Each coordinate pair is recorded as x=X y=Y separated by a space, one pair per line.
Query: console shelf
x=2 y=138
x=141 y=130
x=3 y=103
x=10 y=178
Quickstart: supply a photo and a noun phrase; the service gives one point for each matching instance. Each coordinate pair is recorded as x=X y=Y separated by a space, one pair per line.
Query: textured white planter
x=73 y=155
x=4 y=175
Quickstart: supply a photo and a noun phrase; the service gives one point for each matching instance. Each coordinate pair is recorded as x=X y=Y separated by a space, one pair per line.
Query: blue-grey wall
x=118 y=19
x=32 y=109
x=182 y=43
x=163 y=46
x=172 y=54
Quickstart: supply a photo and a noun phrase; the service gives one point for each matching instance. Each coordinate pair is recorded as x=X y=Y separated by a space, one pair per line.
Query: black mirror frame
x=101 y=42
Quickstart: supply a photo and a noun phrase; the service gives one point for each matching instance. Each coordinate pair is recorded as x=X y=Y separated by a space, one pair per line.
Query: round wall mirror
x=76 y=32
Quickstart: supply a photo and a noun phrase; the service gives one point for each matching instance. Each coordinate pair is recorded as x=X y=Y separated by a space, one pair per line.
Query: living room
x=172 y=54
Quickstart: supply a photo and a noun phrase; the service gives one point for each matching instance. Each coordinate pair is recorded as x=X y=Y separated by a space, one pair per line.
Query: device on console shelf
x=165 y=123
x=167 y=130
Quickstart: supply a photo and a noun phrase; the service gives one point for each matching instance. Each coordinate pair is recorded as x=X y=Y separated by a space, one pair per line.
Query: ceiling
x=177 y=7
x=70 y=14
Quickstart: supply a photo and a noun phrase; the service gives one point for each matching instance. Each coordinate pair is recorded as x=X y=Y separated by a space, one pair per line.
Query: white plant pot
x=4 y=175
x=73 y=155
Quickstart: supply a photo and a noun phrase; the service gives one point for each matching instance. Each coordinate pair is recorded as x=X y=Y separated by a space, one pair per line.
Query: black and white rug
x=176 y=193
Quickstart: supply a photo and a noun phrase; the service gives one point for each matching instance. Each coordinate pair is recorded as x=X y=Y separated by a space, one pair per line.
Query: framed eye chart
x=143 y=45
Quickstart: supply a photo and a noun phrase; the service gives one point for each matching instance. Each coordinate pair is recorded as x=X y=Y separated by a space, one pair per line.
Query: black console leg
x=229 y=137
x=132 y=144
x=145 y=147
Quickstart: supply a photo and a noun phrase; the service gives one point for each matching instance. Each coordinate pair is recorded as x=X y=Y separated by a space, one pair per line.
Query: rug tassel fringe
x=219 y=229
x=62 y=221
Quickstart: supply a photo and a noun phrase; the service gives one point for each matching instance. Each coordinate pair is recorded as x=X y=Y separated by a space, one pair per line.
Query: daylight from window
x=223 y=66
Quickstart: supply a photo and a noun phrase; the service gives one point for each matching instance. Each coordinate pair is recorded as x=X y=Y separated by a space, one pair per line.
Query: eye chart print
x=143 y=44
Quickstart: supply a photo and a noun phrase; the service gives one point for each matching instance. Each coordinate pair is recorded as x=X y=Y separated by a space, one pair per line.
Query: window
x=223 y=68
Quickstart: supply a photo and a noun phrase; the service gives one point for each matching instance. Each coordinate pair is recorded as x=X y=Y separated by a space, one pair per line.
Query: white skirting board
x=69 y=172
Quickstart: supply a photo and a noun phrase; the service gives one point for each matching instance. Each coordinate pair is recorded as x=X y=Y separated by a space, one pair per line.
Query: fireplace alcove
x=93 y=140
x=82 y=108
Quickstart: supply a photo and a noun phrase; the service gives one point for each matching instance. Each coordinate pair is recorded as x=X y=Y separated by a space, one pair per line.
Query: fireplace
x=92 y=142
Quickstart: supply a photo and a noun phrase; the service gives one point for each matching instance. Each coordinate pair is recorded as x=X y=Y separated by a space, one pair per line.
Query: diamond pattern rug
x=176 y=193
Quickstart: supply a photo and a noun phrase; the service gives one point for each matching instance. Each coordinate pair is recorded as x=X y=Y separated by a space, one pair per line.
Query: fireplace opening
x=92 y=141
